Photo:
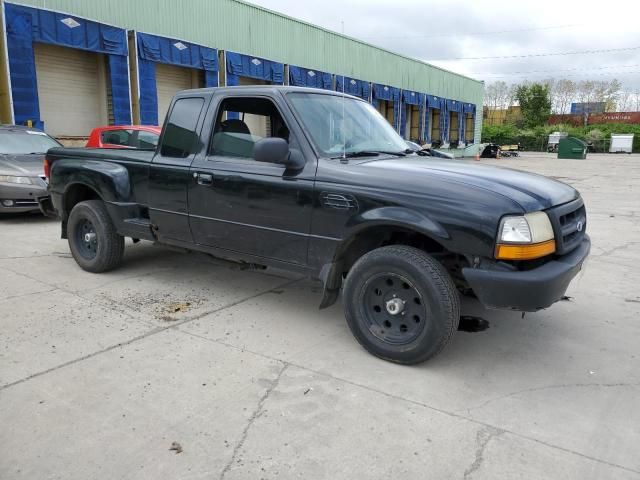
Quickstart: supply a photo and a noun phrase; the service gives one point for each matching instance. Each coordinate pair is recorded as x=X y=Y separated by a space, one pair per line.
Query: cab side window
x=180 y=138
x=241 y=122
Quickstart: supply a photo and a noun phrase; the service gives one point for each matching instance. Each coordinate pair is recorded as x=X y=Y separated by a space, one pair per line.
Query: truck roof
x=261 y=89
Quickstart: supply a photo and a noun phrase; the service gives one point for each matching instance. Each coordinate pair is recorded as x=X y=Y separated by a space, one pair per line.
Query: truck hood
x=531 y=191
x=22 y=165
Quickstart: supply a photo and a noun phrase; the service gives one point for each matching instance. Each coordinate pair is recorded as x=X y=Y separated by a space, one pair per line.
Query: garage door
x=171 y=79
x=71 y=90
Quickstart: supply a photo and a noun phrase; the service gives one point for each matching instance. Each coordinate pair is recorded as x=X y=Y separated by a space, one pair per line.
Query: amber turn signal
x=525 y=252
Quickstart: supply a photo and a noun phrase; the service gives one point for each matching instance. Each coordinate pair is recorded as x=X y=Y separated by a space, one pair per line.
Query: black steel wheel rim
x=87 y=239
x=394 y=310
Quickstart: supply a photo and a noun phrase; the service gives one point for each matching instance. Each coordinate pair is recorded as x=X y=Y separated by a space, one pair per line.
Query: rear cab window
x=180 y=138
x=116 y=137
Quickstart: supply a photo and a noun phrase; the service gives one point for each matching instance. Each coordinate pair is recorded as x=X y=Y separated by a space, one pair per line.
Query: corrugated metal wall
x=244 y=28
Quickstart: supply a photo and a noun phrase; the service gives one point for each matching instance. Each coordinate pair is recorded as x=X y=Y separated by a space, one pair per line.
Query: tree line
x=561 y=93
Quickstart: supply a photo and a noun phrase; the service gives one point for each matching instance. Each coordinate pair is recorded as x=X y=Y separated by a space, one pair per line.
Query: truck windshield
x=24 y=142
x=338 y=125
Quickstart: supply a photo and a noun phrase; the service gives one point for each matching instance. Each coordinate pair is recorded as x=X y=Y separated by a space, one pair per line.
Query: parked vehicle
x=142 y=137
x=22 y=179
x=492 y=150
x=428 y=152
x=319 y=183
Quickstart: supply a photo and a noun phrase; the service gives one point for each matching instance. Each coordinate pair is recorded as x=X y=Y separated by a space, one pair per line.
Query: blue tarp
x=389 y=94
x=26 y=25
x=412 y=98
x=434 y=102
x=358 y=88
x=444 y=123
x=454 y=106
x=239 y=65
x=466 y=108
x=304 y=77
x=153 y=49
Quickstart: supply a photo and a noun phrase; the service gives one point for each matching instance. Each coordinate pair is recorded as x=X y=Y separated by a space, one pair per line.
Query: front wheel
x=401 y=304
x=93 y=240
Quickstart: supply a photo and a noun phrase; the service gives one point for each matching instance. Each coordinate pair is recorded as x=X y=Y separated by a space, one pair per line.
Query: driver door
x=244 y=206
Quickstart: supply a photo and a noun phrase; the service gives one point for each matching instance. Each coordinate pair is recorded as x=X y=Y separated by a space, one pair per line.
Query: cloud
x=439 y=31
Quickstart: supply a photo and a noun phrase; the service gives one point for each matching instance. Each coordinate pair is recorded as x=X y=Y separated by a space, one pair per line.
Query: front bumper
x=25 y=198
x=531 y=290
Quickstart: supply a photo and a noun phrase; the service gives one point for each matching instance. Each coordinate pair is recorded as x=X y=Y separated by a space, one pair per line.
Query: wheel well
x=76 y=194
x=380 y=236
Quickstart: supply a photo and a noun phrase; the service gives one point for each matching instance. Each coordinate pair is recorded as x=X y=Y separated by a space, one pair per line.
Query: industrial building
x=70 y=65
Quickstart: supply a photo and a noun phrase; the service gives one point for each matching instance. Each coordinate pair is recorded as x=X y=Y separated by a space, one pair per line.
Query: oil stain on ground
x=471 y=324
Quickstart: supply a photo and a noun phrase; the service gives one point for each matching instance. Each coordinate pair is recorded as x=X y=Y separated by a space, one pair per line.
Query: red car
x=144 y=137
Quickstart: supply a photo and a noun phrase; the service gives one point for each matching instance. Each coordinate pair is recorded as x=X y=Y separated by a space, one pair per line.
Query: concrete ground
x=101 y=374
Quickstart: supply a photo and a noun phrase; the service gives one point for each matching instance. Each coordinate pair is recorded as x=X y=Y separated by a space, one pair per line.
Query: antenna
x=342 y=125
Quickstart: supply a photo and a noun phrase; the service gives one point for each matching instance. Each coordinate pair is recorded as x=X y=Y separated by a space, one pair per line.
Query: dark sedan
x=22 y=180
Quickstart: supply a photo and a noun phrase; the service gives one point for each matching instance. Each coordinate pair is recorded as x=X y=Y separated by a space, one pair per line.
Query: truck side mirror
x=276 y=150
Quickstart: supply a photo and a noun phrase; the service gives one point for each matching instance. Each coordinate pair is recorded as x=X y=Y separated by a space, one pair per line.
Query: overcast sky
x=439 y=32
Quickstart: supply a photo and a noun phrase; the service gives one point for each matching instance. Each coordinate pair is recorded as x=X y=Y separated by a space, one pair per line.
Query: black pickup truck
x=318 y=182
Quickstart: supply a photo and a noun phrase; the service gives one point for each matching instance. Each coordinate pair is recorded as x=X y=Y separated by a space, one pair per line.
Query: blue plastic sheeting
x=239 y=65
x=466 y=108
x=454 y=106
x=389 y=94
x=384 y=92
x=444 y=123
x=435 y=102
x=358 y=88
x=119 y=73
x=304 y=77
x=176 y=52
x=153 y=49
x=412 y=98
x=26 y=25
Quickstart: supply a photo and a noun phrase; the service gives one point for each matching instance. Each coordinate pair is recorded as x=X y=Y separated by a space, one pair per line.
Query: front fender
x=109 y=180
x=331 y=273
x=399 y=217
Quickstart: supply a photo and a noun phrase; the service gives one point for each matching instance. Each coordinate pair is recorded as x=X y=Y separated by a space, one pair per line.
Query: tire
x=401 y=304
x=93 y=240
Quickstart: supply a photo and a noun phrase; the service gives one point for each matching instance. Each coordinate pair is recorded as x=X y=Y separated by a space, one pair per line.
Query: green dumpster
x=571 y=147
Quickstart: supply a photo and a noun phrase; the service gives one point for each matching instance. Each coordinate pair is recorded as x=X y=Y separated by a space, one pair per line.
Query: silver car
x=22 y=180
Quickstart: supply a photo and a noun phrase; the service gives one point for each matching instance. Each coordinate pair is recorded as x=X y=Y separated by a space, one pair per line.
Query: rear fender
x=109 y=180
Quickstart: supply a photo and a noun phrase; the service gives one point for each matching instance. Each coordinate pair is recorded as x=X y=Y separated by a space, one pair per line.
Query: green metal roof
x=245 y=28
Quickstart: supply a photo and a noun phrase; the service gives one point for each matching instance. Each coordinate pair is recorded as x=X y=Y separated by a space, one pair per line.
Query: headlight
x=12 y=179
x=525 y=237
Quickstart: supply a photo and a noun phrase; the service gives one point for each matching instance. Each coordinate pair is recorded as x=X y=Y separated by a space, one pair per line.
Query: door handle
x=203 y=178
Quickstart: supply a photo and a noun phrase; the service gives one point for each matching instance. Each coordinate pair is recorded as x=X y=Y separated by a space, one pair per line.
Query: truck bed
x=113 y=154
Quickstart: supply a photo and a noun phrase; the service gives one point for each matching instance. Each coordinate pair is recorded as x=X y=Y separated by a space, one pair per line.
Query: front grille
x=569 y=225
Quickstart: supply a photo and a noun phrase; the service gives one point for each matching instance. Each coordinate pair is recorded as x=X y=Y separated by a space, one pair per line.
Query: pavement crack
x=547 y=387
x=254 y=416
x=483 y=438
x=613 y=250
x=453 y=414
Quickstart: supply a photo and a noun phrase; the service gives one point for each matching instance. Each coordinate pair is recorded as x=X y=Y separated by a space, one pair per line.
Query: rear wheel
x=93 y=240
x=401 y=304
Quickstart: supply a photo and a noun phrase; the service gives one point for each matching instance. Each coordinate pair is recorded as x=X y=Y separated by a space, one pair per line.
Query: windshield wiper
x=361 y=153
x=368 y=153
x=36 y=153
